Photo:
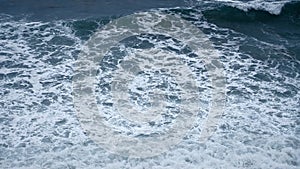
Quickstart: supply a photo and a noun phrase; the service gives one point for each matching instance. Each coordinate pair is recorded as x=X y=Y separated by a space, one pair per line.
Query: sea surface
x=258 y=43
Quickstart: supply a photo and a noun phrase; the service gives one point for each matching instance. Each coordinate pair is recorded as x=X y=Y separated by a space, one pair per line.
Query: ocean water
x=257 y=43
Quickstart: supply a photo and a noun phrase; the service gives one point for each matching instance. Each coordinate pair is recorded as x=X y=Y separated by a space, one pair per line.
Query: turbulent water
x=259 y=46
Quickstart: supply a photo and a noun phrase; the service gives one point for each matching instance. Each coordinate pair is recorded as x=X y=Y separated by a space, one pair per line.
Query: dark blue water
x=55 y=9
x=259 y=46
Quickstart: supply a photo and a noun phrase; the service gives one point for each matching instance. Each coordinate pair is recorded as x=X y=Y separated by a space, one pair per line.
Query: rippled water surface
x=258 y=43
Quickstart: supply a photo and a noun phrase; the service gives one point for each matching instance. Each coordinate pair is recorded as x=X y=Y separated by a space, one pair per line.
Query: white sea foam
x=273 y=7
x=39 y=128
x=140 y=63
